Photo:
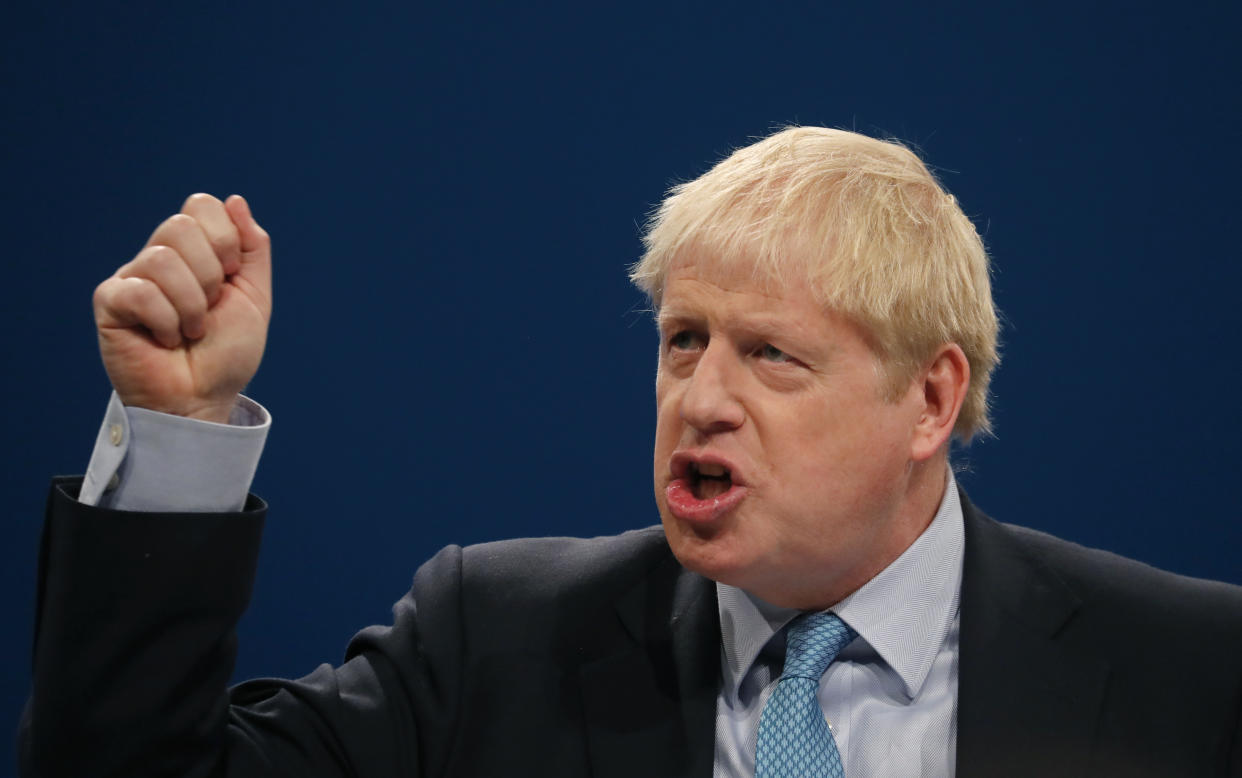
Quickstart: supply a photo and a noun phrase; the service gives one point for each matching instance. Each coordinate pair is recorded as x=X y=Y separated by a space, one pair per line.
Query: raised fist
x=182 y=326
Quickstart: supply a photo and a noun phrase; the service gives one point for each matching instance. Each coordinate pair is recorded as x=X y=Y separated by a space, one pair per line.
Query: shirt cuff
x=150 y=461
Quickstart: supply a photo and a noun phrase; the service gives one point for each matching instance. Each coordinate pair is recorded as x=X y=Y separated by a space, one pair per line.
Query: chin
x=719 y=555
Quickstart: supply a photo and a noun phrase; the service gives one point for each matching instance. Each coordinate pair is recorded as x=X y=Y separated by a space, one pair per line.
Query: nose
x=710 y=403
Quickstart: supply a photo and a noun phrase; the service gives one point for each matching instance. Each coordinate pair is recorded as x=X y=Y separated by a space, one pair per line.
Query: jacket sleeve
x=135 y=642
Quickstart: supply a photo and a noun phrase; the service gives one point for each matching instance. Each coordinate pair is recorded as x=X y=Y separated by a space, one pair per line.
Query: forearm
x=134 y=641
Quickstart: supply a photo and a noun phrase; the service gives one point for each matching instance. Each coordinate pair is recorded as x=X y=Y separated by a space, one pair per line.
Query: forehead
x=733 y=272
x=781 y=265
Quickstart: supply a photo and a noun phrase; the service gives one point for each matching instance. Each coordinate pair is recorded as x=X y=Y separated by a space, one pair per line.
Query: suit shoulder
x=1105 y=567
x=558 y=568
x=1107 y=581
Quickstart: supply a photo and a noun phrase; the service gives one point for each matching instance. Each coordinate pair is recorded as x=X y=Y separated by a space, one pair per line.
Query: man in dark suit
x=826 y=329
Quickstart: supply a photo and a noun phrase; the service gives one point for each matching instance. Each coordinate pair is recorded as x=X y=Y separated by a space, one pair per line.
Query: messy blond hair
x=865 y=224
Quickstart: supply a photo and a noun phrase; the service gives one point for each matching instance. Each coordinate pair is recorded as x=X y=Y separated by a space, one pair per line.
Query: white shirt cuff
x=150 y=461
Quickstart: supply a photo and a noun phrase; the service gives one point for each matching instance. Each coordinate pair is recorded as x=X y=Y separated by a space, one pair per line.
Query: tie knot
x=812 y=641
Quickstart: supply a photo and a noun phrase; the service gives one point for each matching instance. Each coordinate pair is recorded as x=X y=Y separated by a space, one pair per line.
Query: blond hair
x=865 y=224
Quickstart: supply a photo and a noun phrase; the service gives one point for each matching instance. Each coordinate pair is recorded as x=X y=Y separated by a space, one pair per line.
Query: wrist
x=218 y=412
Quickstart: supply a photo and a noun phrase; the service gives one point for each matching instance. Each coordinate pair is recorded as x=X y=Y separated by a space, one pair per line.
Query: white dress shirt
x=890 y=697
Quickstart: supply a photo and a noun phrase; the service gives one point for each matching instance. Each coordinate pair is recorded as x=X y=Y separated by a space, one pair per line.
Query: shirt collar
x=902 y=614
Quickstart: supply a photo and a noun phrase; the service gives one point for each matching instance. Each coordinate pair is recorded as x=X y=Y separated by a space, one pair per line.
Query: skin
x=182 y=326
x=839 y=480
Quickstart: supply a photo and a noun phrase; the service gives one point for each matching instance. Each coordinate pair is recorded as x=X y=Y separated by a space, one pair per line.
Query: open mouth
x=702 y=492
x=708 y=480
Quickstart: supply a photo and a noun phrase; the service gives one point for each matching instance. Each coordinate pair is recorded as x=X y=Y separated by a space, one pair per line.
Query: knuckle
x=160 y=258
x=181 y=222
x=199 y=200
x=103 y=292
x=142 y=291
x=228 y=242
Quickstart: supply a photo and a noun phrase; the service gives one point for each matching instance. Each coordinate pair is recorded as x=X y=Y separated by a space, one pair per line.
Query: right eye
x=685 y=340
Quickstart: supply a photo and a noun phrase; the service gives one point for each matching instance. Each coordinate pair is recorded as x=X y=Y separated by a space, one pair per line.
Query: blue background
x=455 y=192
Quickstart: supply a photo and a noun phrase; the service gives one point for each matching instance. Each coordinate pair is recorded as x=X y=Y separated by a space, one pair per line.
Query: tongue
x=712 y=487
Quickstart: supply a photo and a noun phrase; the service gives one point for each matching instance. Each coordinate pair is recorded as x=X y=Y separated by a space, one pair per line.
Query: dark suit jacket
x=562 y=657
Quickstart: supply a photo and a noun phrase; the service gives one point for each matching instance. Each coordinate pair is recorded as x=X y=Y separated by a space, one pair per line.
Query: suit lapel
x=650 y=691
x=1028 y=701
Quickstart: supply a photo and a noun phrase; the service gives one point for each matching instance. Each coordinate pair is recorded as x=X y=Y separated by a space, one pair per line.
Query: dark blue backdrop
x=454 y=192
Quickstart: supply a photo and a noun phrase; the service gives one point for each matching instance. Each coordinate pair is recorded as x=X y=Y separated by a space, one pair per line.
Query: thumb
x=256 y=246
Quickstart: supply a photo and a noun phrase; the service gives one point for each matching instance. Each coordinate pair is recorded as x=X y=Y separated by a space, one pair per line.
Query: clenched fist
x=182 y=326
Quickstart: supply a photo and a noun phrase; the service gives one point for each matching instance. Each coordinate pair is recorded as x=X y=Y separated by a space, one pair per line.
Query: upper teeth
x=711 y=470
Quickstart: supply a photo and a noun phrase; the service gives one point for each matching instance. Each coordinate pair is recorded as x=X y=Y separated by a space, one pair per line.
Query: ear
x=944 y=383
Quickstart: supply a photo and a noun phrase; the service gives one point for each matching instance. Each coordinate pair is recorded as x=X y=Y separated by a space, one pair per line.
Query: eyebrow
x=763 y=325
x=666 y=317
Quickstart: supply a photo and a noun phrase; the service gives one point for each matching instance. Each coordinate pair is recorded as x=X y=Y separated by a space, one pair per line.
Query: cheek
x=667 y=429
x=667 y=406
x=827 y=443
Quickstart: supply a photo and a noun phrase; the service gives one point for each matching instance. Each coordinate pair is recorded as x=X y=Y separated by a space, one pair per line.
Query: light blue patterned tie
x=794 y=739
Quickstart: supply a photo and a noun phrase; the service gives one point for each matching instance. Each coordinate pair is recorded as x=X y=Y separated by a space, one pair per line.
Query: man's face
x=779 y=466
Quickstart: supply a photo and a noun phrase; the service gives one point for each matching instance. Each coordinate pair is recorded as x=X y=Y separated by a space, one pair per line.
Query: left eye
x=773 y=354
